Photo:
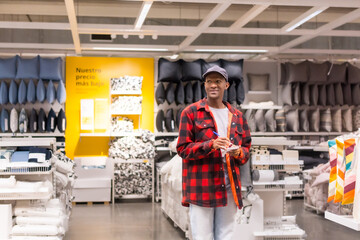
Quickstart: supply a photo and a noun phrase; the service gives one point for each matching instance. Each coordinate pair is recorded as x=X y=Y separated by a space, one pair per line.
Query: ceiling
x=187 y=29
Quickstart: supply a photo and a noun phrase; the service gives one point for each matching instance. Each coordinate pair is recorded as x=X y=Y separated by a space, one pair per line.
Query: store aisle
x=145 y=221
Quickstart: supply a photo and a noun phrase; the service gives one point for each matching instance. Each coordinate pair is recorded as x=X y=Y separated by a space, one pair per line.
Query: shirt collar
x=202 y=104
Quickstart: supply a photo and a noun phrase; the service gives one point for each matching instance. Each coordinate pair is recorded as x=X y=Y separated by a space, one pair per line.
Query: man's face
x=215 y=85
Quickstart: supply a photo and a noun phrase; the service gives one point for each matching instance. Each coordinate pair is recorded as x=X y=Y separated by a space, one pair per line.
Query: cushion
x=297 y=72
x=296 y=95
x=42 y=121
x=337 y=73
x=27 y=68
x=347 y=120
x=283 y=76
x=232 y=93
x=51 y=121
x=286 y=94
x=245 y=174
x=325 y=120
x=189 y=93
x=234 y=70
x=20 y=156
x=203 y=91
x=355 y=94
x=13 y=92
x=305 y=93
x=169 y=71
x=191 y=70
x=61 y=121
x=33 y=123
x=314 y=120
x=4 y=96
x=14 y=120
x=250 y=117
x=197 y=91
x=346 y=88
x=4 y=120
x=322 y=95
x=50 y=92
x=280 y=120
x=169 y=120
x=240 y=93
x=31 y=92
x=22 y=92
x=336 y=120
x=178 y=115
x=225 y=96
x=23 y=121
x=304 y=120
x=292 y=120
x=330 y=95
x=258 y=82
x=356 y=119
x=353 y=75
x=160 y=121
x=206 y=65
x=339 y=97
x=160 y=94
x=314 y=94
x=179 y=94
x=51 y=68
x=8 y=68
x=318 y=72
x=260 y=120
x=170 y=93
x=270 y=120
x=61 y=93
x=40 y=91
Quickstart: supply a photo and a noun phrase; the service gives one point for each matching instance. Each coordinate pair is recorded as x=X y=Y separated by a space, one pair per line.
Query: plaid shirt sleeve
x=246 y=142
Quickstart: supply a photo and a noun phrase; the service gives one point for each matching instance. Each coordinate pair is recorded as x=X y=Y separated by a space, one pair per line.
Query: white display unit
x=347 y=221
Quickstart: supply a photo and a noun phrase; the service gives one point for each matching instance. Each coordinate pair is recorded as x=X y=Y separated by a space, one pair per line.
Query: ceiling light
x=233 y=50
x=144 y=11
x=154 y=37
x=125 y=36
x=174 y=56
x=304 y=20
x=131 y=49
x=141 y=36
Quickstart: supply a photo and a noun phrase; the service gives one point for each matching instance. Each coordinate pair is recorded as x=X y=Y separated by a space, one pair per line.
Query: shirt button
x=204 y=125
x=237 y=187
x=222 y=185
x=233 y=123
x=233 y=171
x=232 y=138
x=221 y=168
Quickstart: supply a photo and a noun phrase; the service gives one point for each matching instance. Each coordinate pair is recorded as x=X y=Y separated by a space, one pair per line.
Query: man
x=211 y=177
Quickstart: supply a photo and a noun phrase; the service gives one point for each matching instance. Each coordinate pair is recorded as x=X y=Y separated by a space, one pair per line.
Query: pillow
x=31 y=92
x=347 y=94
x=225 y=96
x=13 y=92
x=270 y=120
x=325 y=120
x=280 y=120
x=314 y=95
x=322 y=95
x=169 y=120
x=178 y=116
x=27 y=68
x=197 y=91
x=61 y=93
x=61 y=121
x=356 y=119
x=206 y=65
x=41 y=121
x=4 y=119
x=14 y=120
x=234 y=70
x=51 y=68
x=179 y=94
x=283 y=76
x=170 y=93
x=169 y=71
x=203 y=91
x=160 y=94
x=330 y=95
x=337 y=73
x=40 y=91
x=295 y=93
x=318 y=72
x=292 y=120
x=250 y=117
x=286 y=94
x=240 y=93
x=8 y=68
x=50 y=92
x=353 y=75
x=347 y=120
x=22 y=92
x=189 y=93
x=4 y=97
x=355 y=94
x=260 y=120
x=160 y=121
x=339 y=97
x=51 y=121
x=33 y=124
x=23 y=121
x=315 y=120
x=232 y=93
x=336 y=120
x=258 y=82
x=191 y=70
x=245 y=174
x=305 y=93
x=304 y=120
x=297 y=72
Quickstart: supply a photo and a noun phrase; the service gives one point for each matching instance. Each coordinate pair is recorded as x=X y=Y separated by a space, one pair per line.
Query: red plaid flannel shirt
x=203 y=179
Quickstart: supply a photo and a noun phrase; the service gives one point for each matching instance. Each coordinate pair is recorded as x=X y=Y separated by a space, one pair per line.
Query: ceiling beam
x=52 y=46
x=145 y=8
x=247 y=17
x=73 y=25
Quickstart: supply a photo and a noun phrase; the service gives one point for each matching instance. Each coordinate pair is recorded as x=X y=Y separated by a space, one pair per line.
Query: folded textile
x=41 y=230
x=9 y=182
x=55 y=221
x=20 y=156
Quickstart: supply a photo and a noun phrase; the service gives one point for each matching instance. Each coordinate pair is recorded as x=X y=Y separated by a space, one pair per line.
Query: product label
x=172 y=125
x=6 y=124
x=25 y=126
x=35 y=126
x=52 y=123
x=43 y=125
x=63 y=124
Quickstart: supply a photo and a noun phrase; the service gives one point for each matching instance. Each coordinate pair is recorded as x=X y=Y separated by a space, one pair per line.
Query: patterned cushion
x=23 y=121
x=325 y=120
x=14 y=120
x=356 y=119
x=8 y=68
x=280 y=120
x=51 y=68
x=160 y=94
x=179 y=94
x=336 y=120
x=27 y=68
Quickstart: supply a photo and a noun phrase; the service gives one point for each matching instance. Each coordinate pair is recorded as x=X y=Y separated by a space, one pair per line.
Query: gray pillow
x=314 y=95
x=240 y=93
x=305 y=94
x=318 y=72
x=314 y=120
x=4 y=120
x=51 y=121
x=304 y=120
x=33 y=124
x=270 y=120
x=197 y=91
x=4 y=96
x=336 y=120
x=178 y=116
x=355 y=94
x=179 y=94
x=353 y=74
x=14 y=120
x=356 y=119
x=322 y=95
x=297 y=72
x=160 y=94
x=296 y=93
x=286 y=94
x=347 y=120
x=42 y=121
x=250 y=117
x=23 y=121
x=189 y=96
x=325 y=120
x=280 y=120
x=292 y=120
x=61 y=93
x=347 y=94
x=339 y=97
x=13 y=92
x=160 y=121
x=22 y=92
x=225 y=96
x=232 y=93
x=31 y=92
x=283 y=76
x=260 y=120
x=40 y=91
x=330 y=95
x=170 y=93
x=258 y=82
x=169 y=120
x=61 y=121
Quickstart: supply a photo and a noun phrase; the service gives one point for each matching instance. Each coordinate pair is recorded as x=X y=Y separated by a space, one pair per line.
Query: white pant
x=213 y=223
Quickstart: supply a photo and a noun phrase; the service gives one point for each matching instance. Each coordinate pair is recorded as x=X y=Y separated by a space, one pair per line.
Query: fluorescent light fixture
x=144 y=11
x=131 y=49
x=233 y=50
x=304 y=20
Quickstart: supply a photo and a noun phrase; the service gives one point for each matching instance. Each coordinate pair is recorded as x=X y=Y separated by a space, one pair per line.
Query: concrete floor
x=144 y=220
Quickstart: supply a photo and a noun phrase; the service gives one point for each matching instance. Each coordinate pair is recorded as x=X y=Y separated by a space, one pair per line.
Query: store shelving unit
x=347 y=221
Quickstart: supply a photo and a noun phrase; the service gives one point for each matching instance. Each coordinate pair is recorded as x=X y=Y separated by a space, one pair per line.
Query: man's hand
x=236 y=153
x=221 y=143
